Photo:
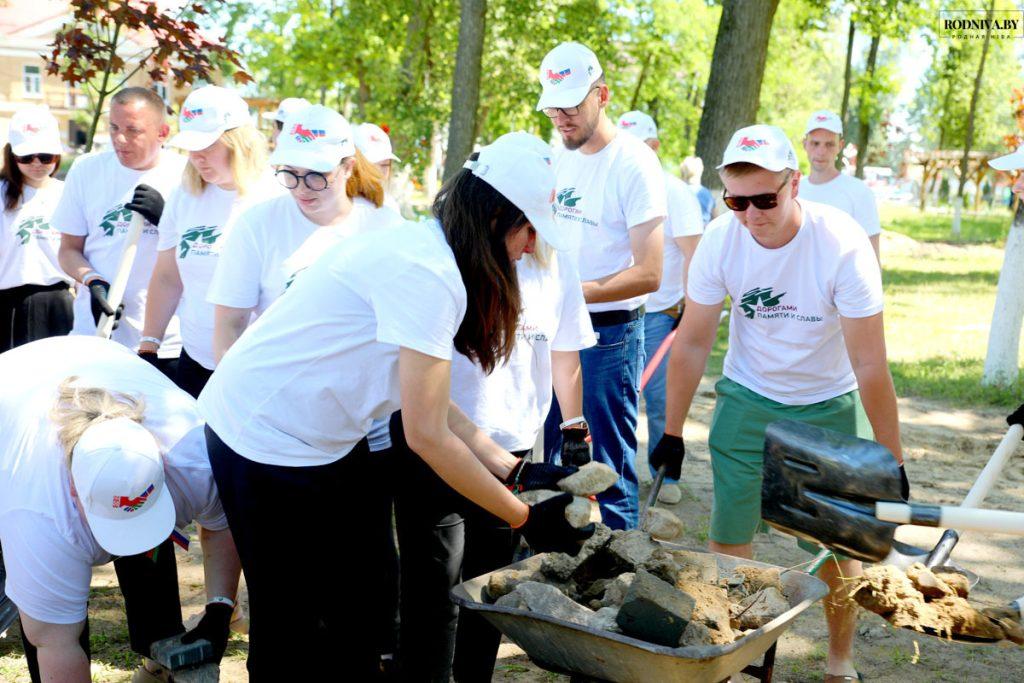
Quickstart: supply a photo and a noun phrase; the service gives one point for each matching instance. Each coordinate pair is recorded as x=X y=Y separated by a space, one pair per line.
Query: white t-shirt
x=196 y=227
x=785 y=340
x=599 y=197
x=849 y=194
x=303 y=384
x=510 y=404
x=684 y=220
x=92 y=206
x=49 y=551
x=28 y=240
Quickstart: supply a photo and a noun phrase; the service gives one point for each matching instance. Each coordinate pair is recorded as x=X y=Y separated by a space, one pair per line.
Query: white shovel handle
x=971 y=519
x=983 y=484
x=115 y=296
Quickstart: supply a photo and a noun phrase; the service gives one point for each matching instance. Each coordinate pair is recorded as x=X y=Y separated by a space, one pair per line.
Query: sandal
x=832 y=678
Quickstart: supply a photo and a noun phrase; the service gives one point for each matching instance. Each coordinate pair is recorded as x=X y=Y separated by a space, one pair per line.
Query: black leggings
x=32 y=312
x=442 y=538
x=190 y=376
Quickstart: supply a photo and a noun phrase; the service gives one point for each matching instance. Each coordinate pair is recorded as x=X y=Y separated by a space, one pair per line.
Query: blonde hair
x=691 y=169
x=79 y=408
x=247 y=155
x=366 y=181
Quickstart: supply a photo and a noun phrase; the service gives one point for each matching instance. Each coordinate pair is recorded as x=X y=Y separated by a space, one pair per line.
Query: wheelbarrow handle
x=972 y=519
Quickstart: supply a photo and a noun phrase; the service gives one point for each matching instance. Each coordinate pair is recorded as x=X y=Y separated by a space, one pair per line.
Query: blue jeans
x=656 y=328
x=611 y=405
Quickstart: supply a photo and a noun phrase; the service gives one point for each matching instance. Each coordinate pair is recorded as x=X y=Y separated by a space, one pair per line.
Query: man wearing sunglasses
x=806 y=342
x=610 y=200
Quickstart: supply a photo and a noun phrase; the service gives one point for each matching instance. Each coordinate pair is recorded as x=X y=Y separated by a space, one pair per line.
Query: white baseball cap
x=119 y=477
x=34 y=130
x=374 y=143
x=206 y=113
x=1009 y=162
x=518 y=165
x=316 y=138
x=286 y=107
x=761 y=145
x=826 y=120
x=639 y=124
x=566 y=75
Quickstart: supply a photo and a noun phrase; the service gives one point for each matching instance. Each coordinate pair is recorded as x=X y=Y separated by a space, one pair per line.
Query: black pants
x=190 y=376
x=442 y=538
x=310 y=542
x=149 y=584
x=32 y=312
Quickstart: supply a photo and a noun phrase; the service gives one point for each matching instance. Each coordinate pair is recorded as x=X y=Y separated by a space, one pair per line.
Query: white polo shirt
x=848 y=194
x=28 y=240
x=684 y=220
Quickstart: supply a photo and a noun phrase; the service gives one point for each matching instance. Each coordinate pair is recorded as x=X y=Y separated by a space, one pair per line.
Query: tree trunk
x=864 y=132
x=101 y=96
x=847 y=72
x=1001 y=360
x=640 y=81
x=734 y=84
x=465 y=85
x=969 y=138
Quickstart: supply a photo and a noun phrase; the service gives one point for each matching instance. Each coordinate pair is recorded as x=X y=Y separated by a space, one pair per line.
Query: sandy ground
x=945 y=450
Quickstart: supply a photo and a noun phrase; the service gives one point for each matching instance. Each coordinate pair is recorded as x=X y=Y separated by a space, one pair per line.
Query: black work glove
x=214 y=627
x=530 y=476
x=904 y=484
x=669 y=452
x=148 y=203
x=98 y=290
x=547 y=530
x=150 y=357
x=575 y=449
x=1016 y=417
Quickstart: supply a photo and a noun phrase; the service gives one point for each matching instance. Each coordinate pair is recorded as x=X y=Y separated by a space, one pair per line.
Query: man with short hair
x=823 y=142
x=610 y=198
x=95 y=212
x=806 y=342
x=683 y=226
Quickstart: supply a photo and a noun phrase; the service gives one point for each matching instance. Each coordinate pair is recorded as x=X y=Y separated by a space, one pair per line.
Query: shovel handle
x=971 y=519
x=652 y=497
x=105 y=326
x=940 y=553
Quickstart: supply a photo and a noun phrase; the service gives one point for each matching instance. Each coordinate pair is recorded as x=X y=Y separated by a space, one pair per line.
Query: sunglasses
x=766 y=201
x=43 y=158
x=552 y=112
x=315 y=181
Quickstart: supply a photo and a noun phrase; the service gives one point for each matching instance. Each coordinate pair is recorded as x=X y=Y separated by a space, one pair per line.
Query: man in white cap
x=683 y=227
x=288 y=105
x=95 y=212
x=823 y=142
x=806 y=342
x=103 y=458
x=610 y=200
x=1014 y=161
x=374 y=144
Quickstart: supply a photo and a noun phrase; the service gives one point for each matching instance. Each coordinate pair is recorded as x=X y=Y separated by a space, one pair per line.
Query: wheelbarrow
x=588 y=654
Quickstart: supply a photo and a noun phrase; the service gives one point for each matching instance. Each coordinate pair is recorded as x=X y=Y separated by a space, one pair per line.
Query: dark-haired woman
x=369 y=329
x=35 y=299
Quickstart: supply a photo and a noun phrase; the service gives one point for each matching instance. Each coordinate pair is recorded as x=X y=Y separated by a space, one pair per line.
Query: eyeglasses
x=43 y=158
x=315 y=181
x=279 y=124
x=766 y=201
x=552 y=112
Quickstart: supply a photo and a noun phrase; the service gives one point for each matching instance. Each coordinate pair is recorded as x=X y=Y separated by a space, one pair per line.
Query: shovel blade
x=822 y=486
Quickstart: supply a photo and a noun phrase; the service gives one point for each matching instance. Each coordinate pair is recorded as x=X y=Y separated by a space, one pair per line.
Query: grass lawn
x=936 y=224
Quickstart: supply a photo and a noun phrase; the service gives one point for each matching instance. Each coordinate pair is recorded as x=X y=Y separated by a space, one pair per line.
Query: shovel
x=105 y=326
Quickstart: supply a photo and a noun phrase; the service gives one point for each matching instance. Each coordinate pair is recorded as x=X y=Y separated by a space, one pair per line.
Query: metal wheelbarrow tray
x=568 y=648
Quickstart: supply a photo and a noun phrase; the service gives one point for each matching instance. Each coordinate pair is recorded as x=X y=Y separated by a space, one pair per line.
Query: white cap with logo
x=639 y=124
x=286 y=107
x=119 y=478
x=826 y=120
x=206 y=113
x=566 y=75
x=316 y=138
x=34 y=130
x=761 y=145
x=374 y=143
x=518 y=165
x=1009 y=162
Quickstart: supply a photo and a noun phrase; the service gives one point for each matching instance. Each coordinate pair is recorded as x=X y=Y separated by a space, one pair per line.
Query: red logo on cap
x=132 y=504
x=627 y=124
x=821 y=117
x=306 y=134
x=29 y=128
x=749 y=145
x=557 y=77
x=189 y=114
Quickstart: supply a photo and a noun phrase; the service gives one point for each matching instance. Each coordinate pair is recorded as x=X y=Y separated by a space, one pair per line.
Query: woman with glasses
x=35 y=301
x=334 y=192
x=226 y=174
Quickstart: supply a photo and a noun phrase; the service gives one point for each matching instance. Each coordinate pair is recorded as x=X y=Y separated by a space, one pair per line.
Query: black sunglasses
x=43 y=158
x=766 y=201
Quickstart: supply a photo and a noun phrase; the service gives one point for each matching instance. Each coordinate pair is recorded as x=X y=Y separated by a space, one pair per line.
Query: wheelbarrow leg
x=766 y=669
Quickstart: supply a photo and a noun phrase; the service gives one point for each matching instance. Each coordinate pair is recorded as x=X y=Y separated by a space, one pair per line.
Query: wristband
x=91 y=275
x=512 y=480
x=152 y=340
x=221 y=600
x=574 y=421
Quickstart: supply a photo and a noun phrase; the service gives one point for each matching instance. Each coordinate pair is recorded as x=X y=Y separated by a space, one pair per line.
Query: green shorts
x=736 y=443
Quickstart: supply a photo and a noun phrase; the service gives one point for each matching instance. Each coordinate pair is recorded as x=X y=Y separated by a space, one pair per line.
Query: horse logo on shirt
x=33 y=226
x=115 y=219
x=127 y=504
x=199 y=235
x=758 y=296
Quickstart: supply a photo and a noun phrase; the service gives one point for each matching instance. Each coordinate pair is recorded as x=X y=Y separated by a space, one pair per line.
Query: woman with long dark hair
x=369 y=329
x=35 y=299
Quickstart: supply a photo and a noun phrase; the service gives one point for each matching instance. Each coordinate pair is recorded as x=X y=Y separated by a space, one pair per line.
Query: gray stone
x=604 y=620
x=655 y=611
x=631 y=549
x=663 y=565
x=694 y=566
x=577 y=513
x=593 y=478
x=546 y=599
x=179 y=660
x=537 y=496
x=504 y=581
x=758 y=609
x=617 y=588
x=695 y=633
x=558 y=566
x=513 y=600
x=207 y=673
x=661 y=523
